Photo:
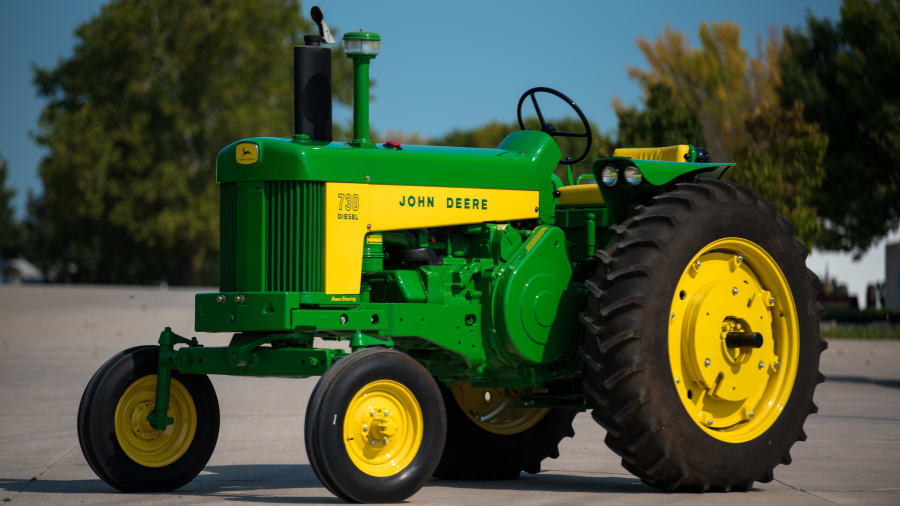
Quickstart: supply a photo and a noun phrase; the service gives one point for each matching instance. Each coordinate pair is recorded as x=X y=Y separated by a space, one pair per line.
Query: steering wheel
x=549 y=129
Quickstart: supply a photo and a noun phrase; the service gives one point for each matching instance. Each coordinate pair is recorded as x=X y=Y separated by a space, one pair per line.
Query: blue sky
x=443 y=65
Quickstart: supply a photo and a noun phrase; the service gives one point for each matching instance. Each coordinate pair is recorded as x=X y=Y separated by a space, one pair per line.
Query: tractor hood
x=523 y=161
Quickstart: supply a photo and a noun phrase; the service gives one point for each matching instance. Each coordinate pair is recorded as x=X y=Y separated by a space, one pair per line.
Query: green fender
x=658 y=175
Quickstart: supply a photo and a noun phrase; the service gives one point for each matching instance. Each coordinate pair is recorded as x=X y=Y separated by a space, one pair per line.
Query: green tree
x=664 y=121
x=719 y=80
x=846 y=74
x=784 y=163
x=135 y=118
x=10 y=230
x=734 y=96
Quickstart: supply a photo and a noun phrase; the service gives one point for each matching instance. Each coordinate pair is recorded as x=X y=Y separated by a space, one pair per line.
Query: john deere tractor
x=486 y=302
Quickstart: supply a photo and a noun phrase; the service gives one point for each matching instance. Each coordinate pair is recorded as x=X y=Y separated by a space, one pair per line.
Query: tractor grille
x=294 y=237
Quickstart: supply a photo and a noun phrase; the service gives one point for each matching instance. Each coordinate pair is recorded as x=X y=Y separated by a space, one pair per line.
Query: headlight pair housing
x=631 y=174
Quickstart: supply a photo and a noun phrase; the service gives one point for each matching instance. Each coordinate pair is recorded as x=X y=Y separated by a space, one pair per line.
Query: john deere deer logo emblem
x=246 y=153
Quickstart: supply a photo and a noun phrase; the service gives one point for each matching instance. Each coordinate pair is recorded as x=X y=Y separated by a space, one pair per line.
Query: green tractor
x=486 y=303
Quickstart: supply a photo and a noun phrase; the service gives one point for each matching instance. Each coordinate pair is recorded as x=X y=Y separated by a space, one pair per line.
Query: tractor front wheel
x=119 y=443
x=375 y=426
x=702 y=344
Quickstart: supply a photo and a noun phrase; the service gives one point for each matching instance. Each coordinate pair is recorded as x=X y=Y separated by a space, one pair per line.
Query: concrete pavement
x=53 y=338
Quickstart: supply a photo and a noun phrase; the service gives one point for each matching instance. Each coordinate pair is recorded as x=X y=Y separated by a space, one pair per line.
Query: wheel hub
x=383 y=428
x=731 y=297
x=141 y=442
x=140 y=426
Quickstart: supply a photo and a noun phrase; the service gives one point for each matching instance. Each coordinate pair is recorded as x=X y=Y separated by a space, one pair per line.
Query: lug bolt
x=677 y=380
x=760 y=364
x=777 y=364
x=239 y=299
x=751 y=414
x=734 y=291
x=385 y=442
x=372 y=413
x=673 y=316
x=709 y=422
x=707 y=362
x=221 y=299
x=697 y=264
x=387 y=413
x=739 y=259
x=372 y=442
x=771 y=300
x=365 y=427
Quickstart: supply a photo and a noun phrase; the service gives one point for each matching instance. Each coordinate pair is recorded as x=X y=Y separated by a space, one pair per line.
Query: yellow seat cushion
x=666 y=154
x=580 y=194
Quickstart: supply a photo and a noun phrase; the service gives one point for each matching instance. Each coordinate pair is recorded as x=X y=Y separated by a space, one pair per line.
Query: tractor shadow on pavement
x=553 y=482
x=888 y=383
x=225 y=483
x=254 y=483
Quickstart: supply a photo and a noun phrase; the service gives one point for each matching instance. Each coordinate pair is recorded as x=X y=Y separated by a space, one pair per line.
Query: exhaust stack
x=312 y=83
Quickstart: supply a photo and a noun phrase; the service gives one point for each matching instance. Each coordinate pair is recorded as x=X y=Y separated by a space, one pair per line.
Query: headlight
x=610 y=175
x=633 y=175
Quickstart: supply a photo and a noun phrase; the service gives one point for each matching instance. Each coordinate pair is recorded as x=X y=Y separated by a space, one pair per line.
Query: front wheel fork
x=159 y=418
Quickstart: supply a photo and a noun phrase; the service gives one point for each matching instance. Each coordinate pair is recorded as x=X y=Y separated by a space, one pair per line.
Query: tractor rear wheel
x=490 y=438
x=702 y=339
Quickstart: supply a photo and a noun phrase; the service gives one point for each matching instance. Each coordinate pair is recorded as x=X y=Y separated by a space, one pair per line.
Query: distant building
x=833 y=294
x=18 y=270
x=892 y=276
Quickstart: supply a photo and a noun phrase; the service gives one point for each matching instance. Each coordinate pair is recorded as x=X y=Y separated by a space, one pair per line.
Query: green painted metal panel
x=259 y=311
x=348 y=319
x=657 y=172
x=263 y=361
x=524 y=161
x=227 y=236
x=250 y=237
x=533 y=299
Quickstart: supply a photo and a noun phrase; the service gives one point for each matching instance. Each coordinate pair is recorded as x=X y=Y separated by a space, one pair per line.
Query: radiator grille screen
x=294 y=236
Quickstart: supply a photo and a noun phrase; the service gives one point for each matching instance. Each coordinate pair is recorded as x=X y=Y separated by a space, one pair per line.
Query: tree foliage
x=135 y=118
x=847 y=75
x=735 y=99
x=719 y=80
x=10 y=231
x=784 y=162
x=664 y=121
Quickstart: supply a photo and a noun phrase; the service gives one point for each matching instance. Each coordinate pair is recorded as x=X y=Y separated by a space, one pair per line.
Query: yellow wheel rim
x=138 y=439
x=495 y=409
x=733 y=393
x=383 y=428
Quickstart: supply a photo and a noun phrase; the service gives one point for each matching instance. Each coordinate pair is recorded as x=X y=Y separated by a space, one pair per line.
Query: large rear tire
x=702 y=340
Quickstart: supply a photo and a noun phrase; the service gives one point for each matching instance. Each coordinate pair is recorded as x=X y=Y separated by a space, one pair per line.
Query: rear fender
x=658 y=175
